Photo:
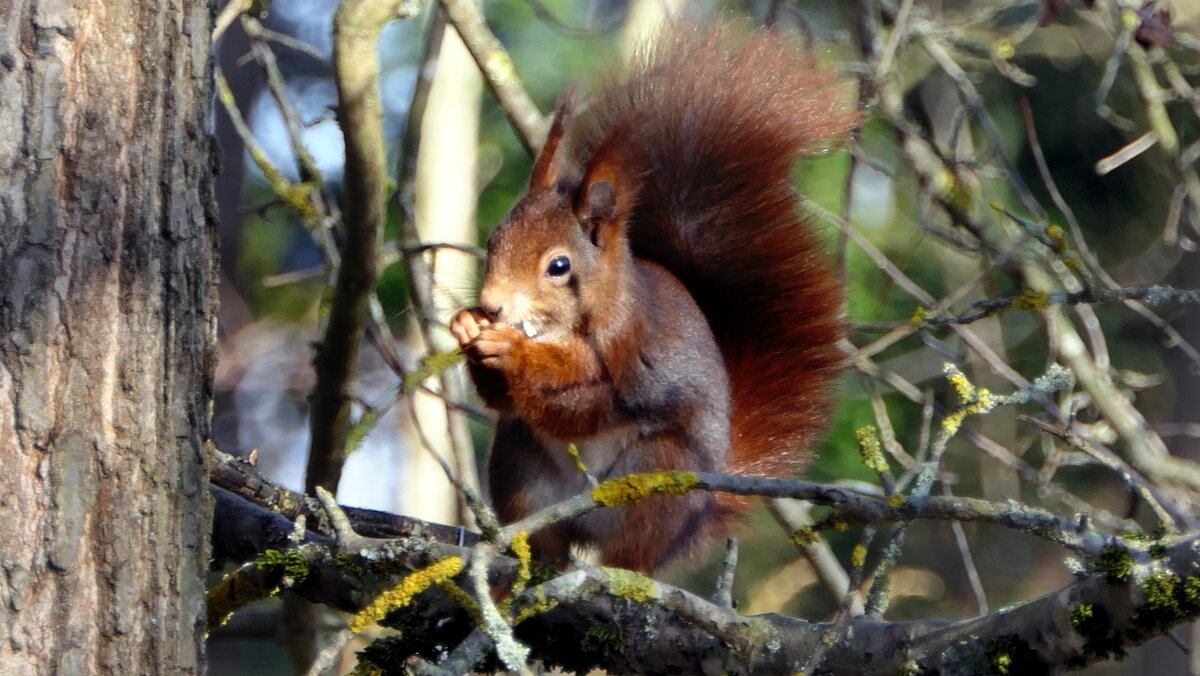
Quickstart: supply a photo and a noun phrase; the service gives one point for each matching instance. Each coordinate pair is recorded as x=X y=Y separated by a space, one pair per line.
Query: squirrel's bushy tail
x=714 y=119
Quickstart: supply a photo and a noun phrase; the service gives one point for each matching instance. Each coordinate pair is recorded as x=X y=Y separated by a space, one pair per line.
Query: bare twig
x=1136 y=147
x=964 y=552
x=850 y=602
x=547 y=17
x=498 y=72
x=419 y=273
x=1033 y=300
x=794 y=515
x=723 y=595
x=483 y=515
x=356 y=28
x=511 y=652
x=324 y=210
x=1131 y=478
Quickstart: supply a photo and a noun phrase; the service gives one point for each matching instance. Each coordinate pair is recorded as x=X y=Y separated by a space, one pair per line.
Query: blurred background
x=942 y=184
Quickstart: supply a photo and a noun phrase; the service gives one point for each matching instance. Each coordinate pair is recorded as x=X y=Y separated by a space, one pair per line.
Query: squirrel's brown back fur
x=714 y=118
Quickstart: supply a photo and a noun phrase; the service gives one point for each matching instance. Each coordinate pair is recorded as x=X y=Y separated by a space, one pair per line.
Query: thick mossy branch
x=240 y=479
x=1115 y=563
x=248 y=584
x=271 y=571
x=1130 y=597
x=287 y=563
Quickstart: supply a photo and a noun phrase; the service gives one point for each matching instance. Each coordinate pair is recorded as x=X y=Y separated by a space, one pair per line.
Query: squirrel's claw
x=467 y=324
x=493 y=346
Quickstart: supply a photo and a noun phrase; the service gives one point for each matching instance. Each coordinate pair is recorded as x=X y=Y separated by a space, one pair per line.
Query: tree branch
x=1127 y=597
x=356 y=28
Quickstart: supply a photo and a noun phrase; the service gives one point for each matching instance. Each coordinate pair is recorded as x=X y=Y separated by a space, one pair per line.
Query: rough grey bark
x=107 y=262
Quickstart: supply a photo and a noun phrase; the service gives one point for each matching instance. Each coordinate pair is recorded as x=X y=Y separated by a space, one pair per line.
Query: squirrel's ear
x=599 y=202
x=549 y=163
x=607 y=196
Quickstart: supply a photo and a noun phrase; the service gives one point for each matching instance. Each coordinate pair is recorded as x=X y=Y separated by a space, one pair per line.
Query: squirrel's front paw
x=494 y=345
x=467 y=324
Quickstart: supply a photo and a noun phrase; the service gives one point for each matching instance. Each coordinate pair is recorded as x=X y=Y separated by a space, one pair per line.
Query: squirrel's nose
x=490 y=304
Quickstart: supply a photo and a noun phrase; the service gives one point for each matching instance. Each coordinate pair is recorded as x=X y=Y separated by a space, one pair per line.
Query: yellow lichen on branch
x=462 y=598
x=918 y=317
x=975 y=400
x=858 y=556
x=573 y=451
x=629 y=585
x=520 y=549
x=1031 y=299
x=403 y=593
x=539 y=606
x=633 y=487
x=870 y=449
x=804 y=536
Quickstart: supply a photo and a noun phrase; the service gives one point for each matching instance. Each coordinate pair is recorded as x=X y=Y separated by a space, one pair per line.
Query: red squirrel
x=656 y=299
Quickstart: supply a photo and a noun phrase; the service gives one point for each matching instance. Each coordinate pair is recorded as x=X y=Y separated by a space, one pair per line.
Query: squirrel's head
x=559 y=262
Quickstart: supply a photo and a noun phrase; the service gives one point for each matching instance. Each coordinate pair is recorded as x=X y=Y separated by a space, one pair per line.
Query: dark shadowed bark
x=107 y=263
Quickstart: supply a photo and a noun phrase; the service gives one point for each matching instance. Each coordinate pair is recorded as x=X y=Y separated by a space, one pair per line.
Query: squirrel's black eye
x=559 y=266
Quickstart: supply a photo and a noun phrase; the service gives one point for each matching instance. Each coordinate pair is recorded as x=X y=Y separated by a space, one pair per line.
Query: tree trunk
x=107 y=263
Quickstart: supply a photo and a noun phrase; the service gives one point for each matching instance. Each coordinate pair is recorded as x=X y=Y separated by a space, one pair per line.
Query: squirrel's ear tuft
x=549 y=164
